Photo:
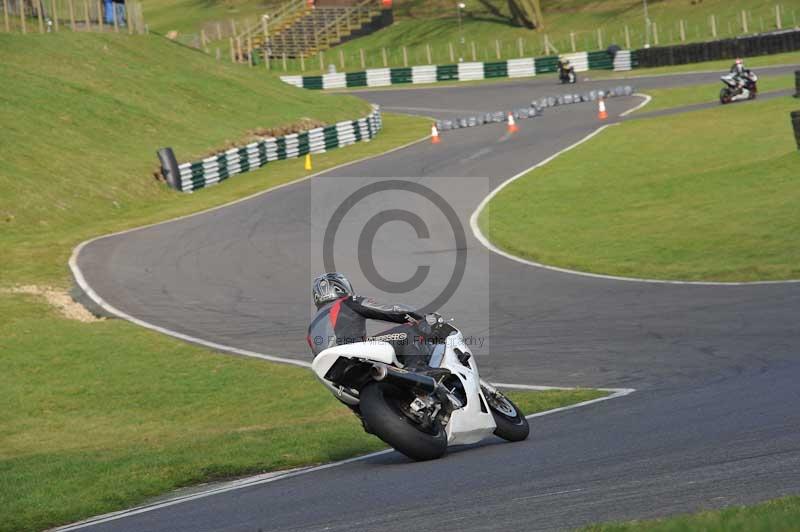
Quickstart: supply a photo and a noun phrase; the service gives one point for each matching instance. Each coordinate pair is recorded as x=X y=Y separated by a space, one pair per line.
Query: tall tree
x=526 y=13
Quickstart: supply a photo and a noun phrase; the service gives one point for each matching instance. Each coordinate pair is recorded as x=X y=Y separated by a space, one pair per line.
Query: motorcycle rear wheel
x=511 y=422
x=381 y=406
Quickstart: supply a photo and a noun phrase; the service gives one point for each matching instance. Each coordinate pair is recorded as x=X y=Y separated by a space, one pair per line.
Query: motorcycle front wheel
x=724 y=96
x=511 y=422
x=384 y=409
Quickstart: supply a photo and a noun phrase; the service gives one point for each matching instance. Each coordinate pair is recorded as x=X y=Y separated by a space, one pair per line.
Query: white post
x=714 y=26
x=778 y=21
x=572 y=41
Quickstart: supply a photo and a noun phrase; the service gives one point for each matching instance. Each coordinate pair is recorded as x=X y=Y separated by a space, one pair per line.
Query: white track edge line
x=647 y=99
x=268 y=478
x=476 y=230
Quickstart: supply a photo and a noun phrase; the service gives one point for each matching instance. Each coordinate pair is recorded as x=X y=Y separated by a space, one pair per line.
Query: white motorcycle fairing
x=373 y=351
x=473 y=422
x=469 y=423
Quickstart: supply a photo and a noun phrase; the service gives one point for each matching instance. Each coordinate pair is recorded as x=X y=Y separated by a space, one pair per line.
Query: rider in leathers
x=740 y=74
x=342 y=318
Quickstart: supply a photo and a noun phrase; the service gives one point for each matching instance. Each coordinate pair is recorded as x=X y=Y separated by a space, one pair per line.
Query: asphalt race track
x=715 y=419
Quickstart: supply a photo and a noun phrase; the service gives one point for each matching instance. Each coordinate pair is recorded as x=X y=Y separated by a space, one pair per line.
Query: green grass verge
x=102 y=416
x=780 y=514
x=708 y=195
x=709 y=92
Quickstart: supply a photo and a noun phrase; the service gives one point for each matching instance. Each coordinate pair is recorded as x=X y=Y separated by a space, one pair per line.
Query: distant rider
x=740 y=74
x=342 y=319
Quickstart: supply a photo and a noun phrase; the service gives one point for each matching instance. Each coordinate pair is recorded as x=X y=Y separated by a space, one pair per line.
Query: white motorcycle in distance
x=731 y=91
x=420 y=413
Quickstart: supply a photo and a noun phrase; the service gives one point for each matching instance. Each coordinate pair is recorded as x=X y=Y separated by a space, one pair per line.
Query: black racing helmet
x=330 y=287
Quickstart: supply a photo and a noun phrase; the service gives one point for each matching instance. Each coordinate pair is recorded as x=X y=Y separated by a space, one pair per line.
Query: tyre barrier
x=764 y=44
x=797 y=83
x=466 y=71
x=535 y=109
x=191 y=176
x=796 y=126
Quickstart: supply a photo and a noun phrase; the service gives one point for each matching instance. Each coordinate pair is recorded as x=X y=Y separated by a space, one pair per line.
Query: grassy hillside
x=82 y=116
x=436 y=24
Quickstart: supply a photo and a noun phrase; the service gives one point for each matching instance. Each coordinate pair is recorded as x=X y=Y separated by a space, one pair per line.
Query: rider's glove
x=434 y=319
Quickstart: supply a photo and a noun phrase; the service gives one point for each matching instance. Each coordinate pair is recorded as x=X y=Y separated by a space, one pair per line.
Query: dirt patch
x=60 y=299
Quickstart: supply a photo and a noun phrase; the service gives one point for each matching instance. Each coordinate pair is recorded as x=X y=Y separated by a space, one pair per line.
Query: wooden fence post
x=114 y=18
x=683 y=31
x=778 y=22
x=714 y=26
x=363 y=61
x=203 y=39
x=250 y=57
x=54 y=11
x=341 y=59
x=99 y=16
x=655 y=34
x=219 y=31
x=233 y=53
x=572 y=41
x=302 y=63
x=452 y=52
x=474 y=51
x=39 y=9
x=428 y=53
x=744 y=21
x=385 y=59
x=284 y=61
x=71 y=15
x=521 y=46
x=22 y=16
x=405 y=56
x=599 y=39
x=627 y=38
x=5 y=15
x=218 y=54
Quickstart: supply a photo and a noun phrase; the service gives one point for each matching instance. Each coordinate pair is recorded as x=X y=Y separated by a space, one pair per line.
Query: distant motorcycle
x=566 y=72
x=734 y=92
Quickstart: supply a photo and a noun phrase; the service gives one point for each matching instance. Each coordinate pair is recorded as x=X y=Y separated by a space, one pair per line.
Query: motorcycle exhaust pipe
x=406 y=379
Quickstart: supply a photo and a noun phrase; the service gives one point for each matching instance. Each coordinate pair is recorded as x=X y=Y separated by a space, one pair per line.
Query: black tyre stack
x=797 y=83
x=796 y=125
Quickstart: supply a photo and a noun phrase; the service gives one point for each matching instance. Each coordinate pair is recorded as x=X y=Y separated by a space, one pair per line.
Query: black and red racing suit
x=344 y=321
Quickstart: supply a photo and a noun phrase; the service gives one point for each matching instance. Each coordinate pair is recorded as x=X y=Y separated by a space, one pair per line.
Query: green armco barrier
x=356 y=79
x=600 y=61
x=498 y=69
x=546 y=64
x=446 y=72
x=401 y=75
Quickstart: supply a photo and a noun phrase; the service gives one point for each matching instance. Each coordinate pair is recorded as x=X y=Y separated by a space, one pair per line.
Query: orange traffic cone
x=602 y=113
x=435 y=135
x=512 y=124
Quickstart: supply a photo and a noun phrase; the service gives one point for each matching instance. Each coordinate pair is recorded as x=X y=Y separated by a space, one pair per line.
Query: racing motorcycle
x=566 y=72
x=420 y=412
x=731 y=92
